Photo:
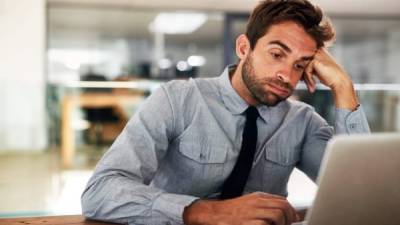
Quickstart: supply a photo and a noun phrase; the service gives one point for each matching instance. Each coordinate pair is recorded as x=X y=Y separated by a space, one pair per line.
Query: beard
x=256 y=86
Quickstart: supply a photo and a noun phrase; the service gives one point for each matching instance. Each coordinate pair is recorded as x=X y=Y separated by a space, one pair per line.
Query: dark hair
x=270 y=12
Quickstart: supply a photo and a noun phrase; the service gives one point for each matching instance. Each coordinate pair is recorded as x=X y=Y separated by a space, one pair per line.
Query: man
x=180 y=158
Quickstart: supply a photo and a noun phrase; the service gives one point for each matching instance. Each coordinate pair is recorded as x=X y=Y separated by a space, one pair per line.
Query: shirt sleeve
x=319 y=132
x=119 y=189
x=348 y=122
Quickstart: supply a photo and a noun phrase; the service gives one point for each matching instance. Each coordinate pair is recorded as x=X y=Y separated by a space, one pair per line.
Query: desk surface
x=52 y=220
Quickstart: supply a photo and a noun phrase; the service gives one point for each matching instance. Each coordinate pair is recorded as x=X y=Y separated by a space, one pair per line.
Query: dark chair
x=97 y=116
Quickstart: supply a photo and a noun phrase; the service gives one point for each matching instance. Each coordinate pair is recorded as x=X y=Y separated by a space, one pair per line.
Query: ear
x=242 y=46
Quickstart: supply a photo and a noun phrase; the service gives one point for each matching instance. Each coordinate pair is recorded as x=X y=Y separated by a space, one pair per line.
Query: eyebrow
x=307 y=58
x=281 y=44
x=287 y=49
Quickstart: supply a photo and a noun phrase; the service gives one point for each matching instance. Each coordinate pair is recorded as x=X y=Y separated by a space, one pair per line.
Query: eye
x=299 y=67
x=276 y=55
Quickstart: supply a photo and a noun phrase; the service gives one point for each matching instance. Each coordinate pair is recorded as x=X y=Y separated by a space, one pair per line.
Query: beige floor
x=34 y=184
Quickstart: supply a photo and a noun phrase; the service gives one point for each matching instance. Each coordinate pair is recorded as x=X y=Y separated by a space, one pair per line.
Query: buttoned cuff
x=351 y=122
x=172 y=206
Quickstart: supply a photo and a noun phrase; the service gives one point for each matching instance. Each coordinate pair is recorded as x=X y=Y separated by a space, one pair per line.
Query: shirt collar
x=232 y=101
x=236 y=104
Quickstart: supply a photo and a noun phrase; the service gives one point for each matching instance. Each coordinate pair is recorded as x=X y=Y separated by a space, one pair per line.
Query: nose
x=283 y=76
x=285 y=72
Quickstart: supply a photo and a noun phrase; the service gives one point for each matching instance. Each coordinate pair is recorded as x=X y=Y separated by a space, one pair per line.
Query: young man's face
x=273 y=68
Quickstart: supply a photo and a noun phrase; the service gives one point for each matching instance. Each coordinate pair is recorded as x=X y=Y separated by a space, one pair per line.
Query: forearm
x=198 y=212
x=344 y=96
x=350 y=117
x=121 y=199
x=103 y=199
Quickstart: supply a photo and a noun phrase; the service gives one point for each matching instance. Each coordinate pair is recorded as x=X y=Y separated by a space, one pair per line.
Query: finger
x=290 y=213
x=308 y=77
x=322 y=54
x=272 y=216
x=258 y=222
x=276 y=217
x=270 y=201
x=268 y=195
x=310 y=82
x=278 y=203
x=298 y=218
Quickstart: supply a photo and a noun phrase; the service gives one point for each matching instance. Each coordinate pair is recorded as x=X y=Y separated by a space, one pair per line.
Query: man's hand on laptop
x=252 y=209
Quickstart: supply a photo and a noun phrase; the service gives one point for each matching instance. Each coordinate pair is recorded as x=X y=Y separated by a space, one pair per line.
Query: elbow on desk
x=92 y=200
x=94 y=207
x=94 y=204
x=89 y=205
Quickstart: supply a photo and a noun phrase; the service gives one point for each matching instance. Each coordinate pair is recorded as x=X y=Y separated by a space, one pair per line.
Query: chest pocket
x=283 y=156
x=202 y=166
x=277 y=164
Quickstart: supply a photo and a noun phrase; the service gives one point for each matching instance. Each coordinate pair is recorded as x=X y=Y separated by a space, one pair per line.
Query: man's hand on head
x=251 y=209
x=331 y=74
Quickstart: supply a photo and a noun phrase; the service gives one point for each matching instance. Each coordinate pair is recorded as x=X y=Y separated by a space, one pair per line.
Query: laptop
x=359 y=182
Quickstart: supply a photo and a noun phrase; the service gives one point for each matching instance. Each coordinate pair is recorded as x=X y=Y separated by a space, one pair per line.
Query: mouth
x=280 y=91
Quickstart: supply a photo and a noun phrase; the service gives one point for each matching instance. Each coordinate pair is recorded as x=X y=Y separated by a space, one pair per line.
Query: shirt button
x=353 y=125
x=201 y=156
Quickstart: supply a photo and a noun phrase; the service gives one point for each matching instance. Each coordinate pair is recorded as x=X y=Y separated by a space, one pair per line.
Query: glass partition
x=114 y=52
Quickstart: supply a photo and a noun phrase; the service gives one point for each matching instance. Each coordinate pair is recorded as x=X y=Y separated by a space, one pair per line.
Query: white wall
x=22 y=79
x=393 y=46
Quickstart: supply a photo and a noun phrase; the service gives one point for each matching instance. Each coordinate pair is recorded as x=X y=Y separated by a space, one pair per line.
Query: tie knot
x=252 y=113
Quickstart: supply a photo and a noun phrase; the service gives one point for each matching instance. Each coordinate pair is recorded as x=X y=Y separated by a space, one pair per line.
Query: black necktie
x=234 y=184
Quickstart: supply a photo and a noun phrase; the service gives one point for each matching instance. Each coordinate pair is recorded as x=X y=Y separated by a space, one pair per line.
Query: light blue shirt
x=183 y=142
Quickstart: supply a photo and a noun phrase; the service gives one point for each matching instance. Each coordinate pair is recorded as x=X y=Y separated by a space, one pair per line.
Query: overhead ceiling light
x=182 y=66
x=196 y=60
x=177 y=23
x=164 y=63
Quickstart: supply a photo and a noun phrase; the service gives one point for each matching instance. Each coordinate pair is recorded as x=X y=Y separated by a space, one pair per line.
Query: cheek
x=298 y=76
x=265 y=70
x=263 y=61
x=295 y=80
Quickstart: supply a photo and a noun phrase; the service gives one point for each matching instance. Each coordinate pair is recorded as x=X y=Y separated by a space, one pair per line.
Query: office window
x=139 y=43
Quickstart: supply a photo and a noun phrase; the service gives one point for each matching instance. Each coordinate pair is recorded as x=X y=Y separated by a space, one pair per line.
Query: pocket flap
x=203 y=153
x=285 y=156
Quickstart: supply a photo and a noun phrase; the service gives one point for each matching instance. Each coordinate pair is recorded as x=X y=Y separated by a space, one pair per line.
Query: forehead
x=292 y=35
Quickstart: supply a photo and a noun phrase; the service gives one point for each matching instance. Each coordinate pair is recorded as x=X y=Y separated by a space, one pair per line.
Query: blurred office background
x=72 y=72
